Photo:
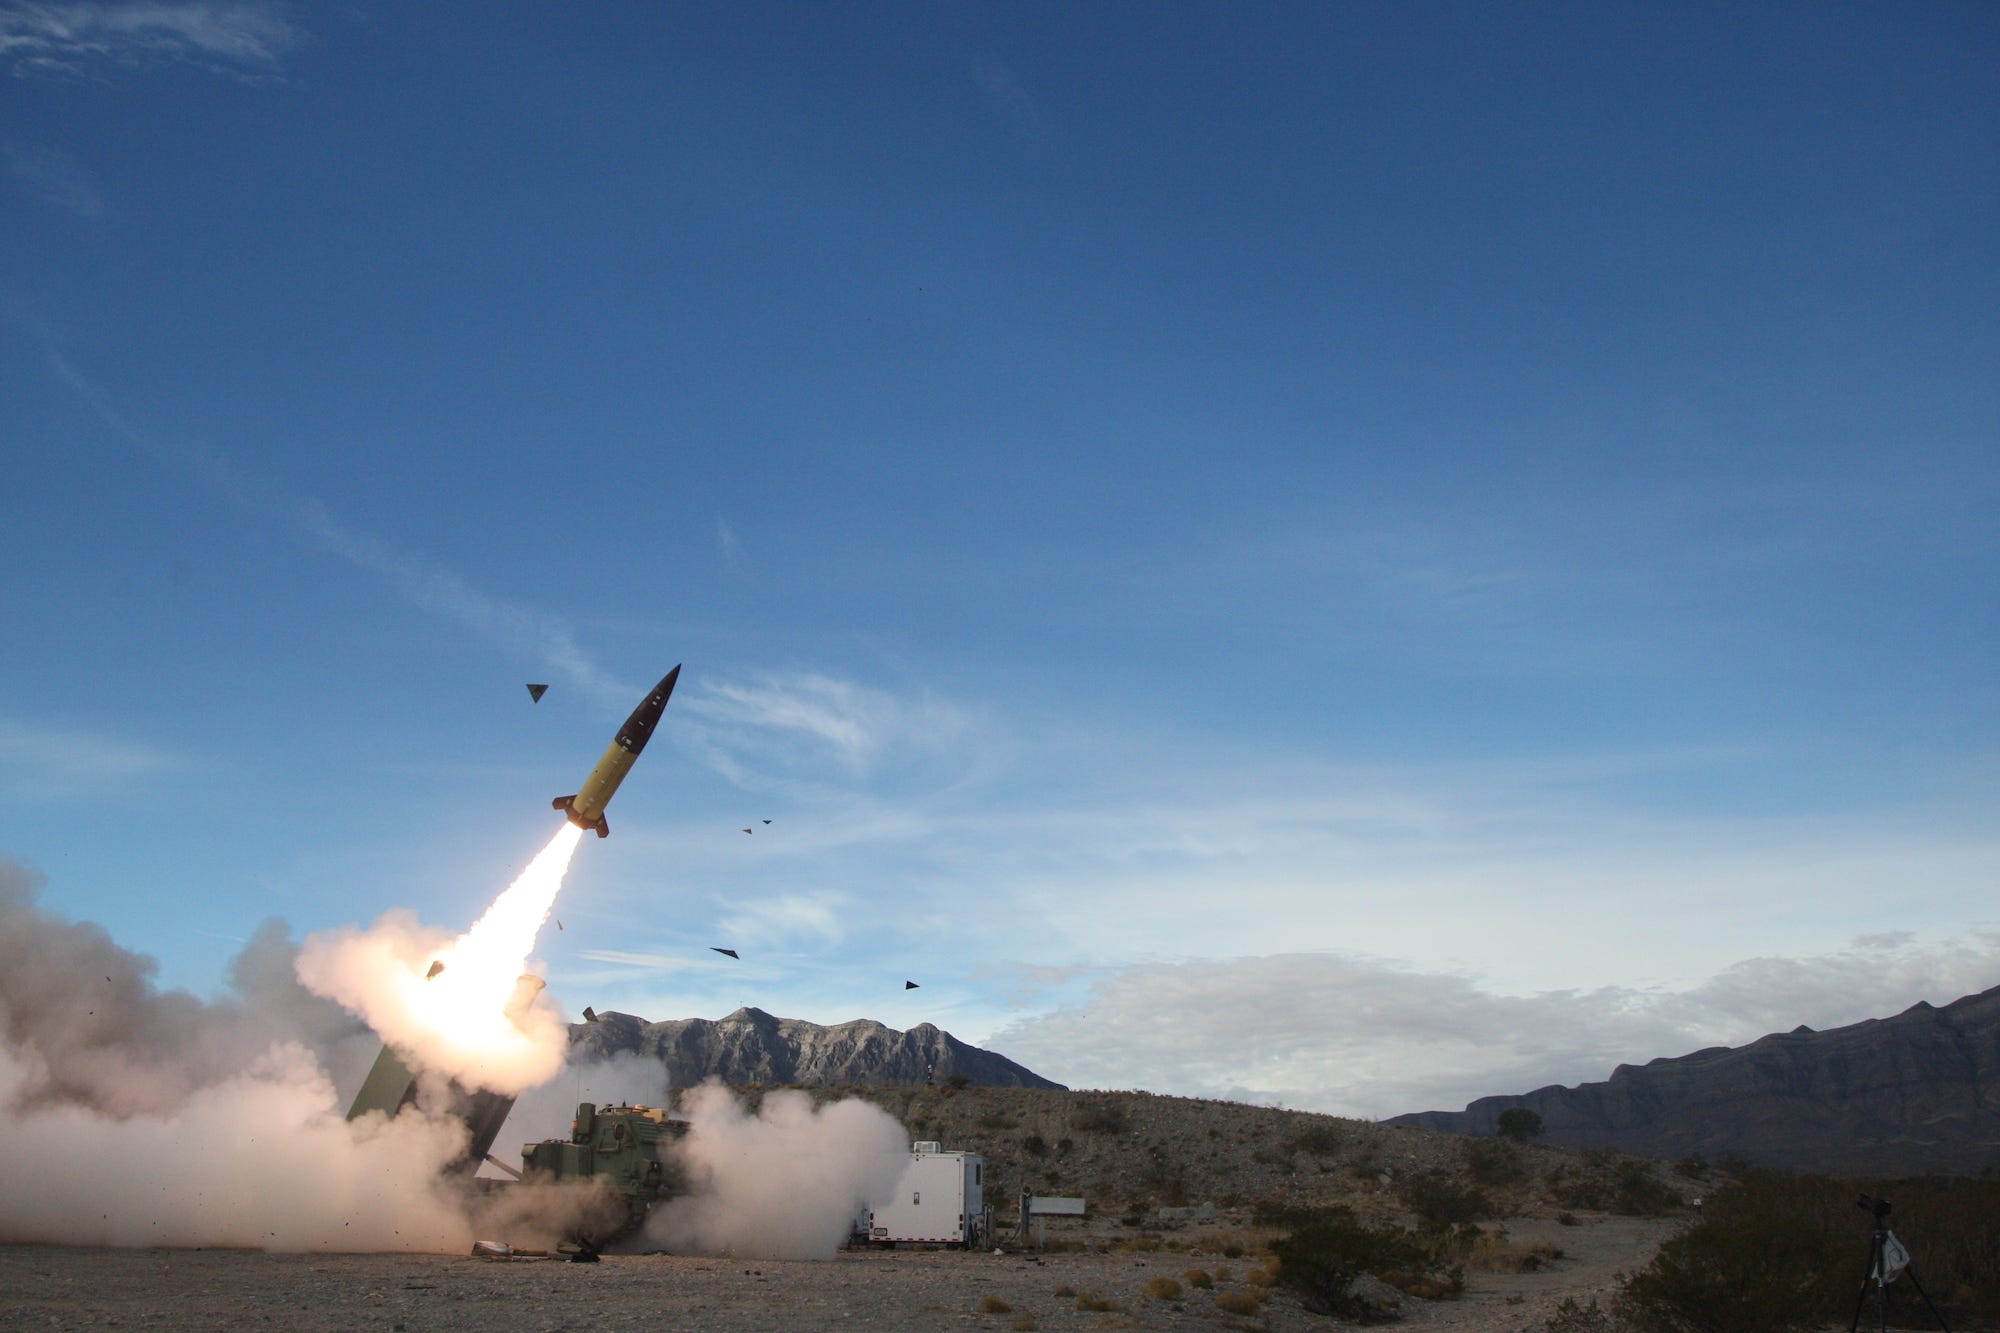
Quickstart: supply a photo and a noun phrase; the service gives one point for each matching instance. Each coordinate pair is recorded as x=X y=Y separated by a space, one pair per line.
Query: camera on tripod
x=1879 y=1207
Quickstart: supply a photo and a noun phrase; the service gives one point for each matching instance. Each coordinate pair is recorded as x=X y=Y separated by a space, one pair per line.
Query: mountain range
x=752 y=1047
x=1914 y=1094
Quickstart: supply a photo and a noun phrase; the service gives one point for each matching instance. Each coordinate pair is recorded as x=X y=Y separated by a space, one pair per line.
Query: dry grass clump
x=1091 y=1301
x=1229 y=1244
x=1164 y=1289
x=1493 y=1252
x=1260 y=1277
x=1198 y=1278
x=994 y=1305
x=1240 y=1302
x=1025 y=1324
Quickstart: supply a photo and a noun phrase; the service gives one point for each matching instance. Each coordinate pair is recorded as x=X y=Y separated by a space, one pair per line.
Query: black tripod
x=1881 y=1248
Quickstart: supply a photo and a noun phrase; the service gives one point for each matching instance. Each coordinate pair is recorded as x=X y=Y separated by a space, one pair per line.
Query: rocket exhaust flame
x=450 y=1002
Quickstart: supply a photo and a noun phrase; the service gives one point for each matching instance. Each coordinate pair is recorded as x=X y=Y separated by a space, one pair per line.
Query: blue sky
x=1356 y=555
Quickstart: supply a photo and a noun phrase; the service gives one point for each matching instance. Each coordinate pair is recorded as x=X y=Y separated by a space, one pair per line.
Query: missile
x=586 y=808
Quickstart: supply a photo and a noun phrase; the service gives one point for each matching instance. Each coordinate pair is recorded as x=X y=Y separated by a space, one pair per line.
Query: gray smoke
x=132 y=1115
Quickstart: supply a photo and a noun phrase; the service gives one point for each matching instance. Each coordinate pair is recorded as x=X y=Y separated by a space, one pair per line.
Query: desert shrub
x=958 y=1082
x=1567 y=1220
x=1035 y=1146
x=1519 y=1124
x=996 y=1120
x=1569 y=1317
x=1291 y=1216
x=1764 y=1256
x=1064 y=1292
x=1319 y=1140
x=1321 y=1260
x=1691 y=1168
x=1494 y=1163
x=1640 y=1193
x=1164 y=1289
x=1025 y=1324
x=1238 y=1302
x=1493 y=1252
x=1098 y=1118
x=1232 y=1251
x=1772 y=1248
x=1442 y=1199
x=1631 y=1189
x=1091 y=1301
x=1198 y=1278
x=994 y=1305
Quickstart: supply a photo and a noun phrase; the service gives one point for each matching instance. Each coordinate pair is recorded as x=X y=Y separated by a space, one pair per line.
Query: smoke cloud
x=784 y=1183
x=132 y=1116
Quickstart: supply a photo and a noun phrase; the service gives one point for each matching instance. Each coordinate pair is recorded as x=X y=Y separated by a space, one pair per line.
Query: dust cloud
x=783 y=1183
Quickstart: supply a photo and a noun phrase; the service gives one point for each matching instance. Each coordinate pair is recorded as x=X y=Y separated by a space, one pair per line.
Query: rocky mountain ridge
x=752 y=1047
x=1916 y=1093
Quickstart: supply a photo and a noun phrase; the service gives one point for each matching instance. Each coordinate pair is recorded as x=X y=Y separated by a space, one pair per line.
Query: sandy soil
x=53 y=1287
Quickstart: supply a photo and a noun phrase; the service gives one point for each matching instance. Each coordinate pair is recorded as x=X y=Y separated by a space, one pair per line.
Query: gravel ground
x=54 y=1287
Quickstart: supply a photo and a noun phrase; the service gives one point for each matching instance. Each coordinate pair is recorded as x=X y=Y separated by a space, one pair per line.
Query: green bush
x=1519 y=1124
x=1494 y=1163
x=1763 y=1257
x=1442 y=1199
x=1322 y=1259
x=1782 y=1251
x=1035 y=1146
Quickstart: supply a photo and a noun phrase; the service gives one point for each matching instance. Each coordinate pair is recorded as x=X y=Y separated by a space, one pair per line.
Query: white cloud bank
x=1367 y=1037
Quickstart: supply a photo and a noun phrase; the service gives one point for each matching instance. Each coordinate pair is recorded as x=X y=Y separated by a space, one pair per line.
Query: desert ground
x=45 y=1286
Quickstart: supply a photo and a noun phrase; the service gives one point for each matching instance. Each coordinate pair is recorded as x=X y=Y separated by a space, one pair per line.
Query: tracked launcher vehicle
x=624 y=1147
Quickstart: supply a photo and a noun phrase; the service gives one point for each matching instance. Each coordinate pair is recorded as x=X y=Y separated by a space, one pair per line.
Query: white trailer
x=939 y=1201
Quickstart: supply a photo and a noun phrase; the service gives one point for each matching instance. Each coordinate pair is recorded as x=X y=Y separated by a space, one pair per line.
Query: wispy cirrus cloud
x=818 y=916
x=785 y=725
x=233 y=36
x=545 y=639
x=657 y=962
x=53 y=176
x=59 y=763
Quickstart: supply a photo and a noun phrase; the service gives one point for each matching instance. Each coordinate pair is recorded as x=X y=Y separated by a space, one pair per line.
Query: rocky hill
x=1917 y=1093
x=751 y=1047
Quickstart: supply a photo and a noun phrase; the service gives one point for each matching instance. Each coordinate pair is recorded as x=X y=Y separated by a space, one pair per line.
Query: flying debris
x=716 y=948
x=586 y=808
x=536 y=692
x=436 y=968
x=559 y=924
x=749 y=830
x=909 y=985
x=767 y=821
x=589 y=1014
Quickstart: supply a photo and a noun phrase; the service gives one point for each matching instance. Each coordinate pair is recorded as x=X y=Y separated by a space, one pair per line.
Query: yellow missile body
x=586 y=808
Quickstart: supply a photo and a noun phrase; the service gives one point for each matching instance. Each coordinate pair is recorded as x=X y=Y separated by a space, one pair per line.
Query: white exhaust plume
x=131 y=1116
x=443 y=1000
x=785 y=1183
